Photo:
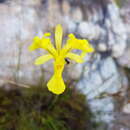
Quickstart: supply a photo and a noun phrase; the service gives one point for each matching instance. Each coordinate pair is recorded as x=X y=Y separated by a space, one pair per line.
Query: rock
x=103 y=109
x=102 y=47
x=77 y=15
x=124 y=60
x=126 y=108
x=89 y=30
x=66 y=8
x=119 y=127
x=54 y=15
x=18 y=26
x=71 y=25
x=100 y=79
x=115 y=27
x=28 y=3
x=118 y=49
x=74 y=71
x=124 y=119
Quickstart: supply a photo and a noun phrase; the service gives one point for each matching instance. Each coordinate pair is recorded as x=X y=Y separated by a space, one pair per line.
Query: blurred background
x=98 y=91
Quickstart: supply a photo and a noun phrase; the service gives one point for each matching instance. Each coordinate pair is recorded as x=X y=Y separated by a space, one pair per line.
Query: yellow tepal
x=56 y=83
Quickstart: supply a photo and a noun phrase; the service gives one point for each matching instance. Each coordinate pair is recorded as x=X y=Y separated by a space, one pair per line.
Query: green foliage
x=37 y=109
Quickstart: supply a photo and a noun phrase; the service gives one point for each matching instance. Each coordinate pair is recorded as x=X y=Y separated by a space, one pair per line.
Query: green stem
x=54 y=102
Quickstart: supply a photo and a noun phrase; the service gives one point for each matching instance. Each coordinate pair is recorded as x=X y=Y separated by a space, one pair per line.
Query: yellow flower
x=56 y=83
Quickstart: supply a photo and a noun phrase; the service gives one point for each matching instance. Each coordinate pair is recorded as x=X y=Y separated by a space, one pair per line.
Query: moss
x=37 y=109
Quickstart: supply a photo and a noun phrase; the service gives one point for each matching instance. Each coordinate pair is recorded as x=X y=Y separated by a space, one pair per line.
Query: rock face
x=14 y=46
x=124 y=60
x=101 y=77
x=102 y=22
x=100 y=80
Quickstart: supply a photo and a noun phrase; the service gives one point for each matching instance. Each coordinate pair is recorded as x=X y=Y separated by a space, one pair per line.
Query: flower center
x=58 y=66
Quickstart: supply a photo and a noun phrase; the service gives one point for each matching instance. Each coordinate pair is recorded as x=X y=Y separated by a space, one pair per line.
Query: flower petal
x=44 y=43
x=74 y=43
x=43 y=59
x=58 y=36
x=56 y=85
x=47 y=45
x=36 y=44
x=83 y=54
x=47 y=34
x=75 y=57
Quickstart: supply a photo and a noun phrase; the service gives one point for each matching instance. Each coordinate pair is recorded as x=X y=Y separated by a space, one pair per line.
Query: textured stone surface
x=126 y=108
x=24 y=20
x=105 y=25
x=104 y=77
x=124 y=60
x=89 y=30
x=99 y=80
x=103 y=109
x=115 y=31
x=18 y=26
